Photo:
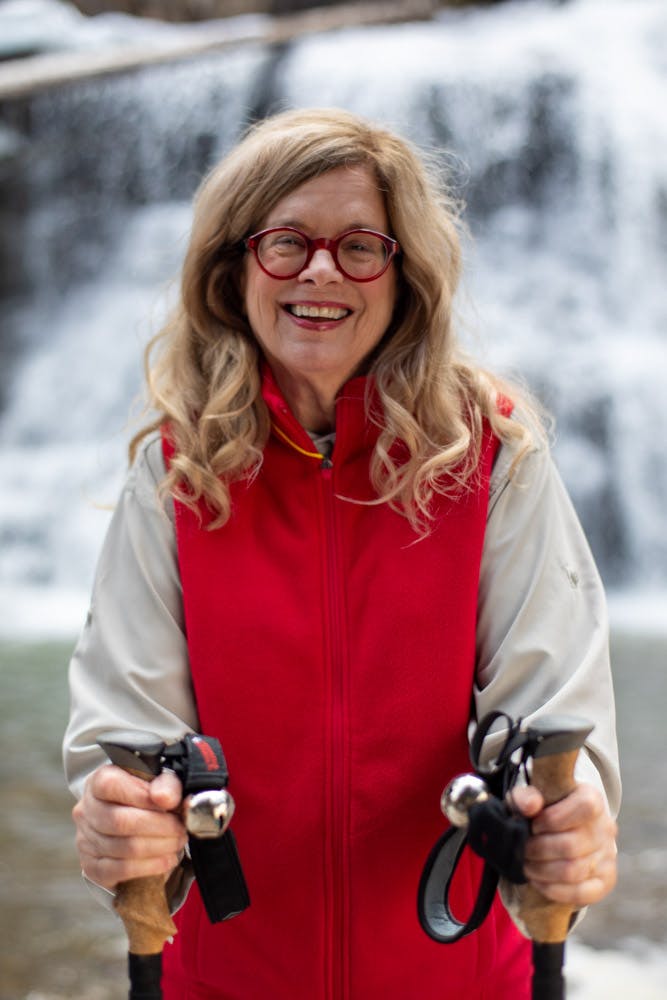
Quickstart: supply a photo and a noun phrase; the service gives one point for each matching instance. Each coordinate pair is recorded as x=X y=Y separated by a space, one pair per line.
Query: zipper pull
x=326 y=463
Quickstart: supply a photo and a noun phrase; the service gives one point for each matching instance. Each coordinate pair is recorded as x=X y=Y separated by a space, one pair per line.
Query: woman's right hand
x=128 y=828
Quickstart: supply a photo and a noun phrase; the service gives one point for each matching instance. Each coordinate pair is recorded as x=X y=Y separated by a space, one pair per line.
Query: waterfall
x=551 y=119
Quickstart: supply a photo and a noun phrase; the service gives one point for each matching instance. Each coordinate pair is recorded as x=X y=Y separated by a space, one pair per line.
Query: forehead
x=343 y=198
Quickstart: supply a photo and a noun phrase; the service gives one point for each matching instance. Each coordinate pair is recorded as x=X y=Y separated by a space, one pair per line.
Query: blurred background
x=550 y=120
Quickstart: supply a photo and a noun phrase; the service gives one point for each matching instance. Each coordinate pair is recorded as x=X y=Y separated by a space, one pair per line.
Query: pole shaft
x=145 y=972
x=548 y=982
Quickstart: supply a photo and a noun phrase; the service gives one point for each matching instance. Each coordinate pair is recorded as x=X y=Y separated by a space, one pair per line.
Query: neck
x=312 y=400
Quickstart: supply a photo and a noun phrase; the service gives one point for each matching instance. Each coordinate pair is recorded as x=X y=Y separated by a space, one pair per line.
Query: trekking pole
x=207 y=808
x=141 y=902
x=547 y=923
x=476 y=806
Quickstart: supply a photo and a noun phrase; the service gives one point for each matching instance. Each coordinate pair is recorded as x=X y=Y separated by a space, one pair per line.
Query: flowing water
x=553 y=116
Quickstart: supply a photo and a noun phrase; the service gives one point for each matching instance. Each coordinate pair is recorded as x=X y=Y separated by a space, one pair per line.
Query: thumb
x=166 y=791
x=526 y=800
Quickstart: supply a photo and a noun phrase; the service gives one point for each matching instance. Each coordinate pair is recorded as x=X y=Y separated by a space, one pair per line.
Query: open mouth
x=317 y=312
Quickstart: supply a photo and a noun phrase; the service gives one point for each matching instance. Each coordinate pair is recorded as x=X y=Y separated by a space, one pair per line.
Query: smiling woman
x=260 y=582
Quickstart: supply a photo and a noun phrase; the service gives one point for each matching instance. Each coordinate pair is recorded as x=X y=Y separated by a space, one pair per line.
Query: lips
x=315 y=311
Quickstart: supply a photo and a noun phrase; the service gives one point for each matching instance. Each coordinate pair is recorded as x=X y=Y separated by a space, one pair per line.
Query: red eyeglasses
x=360 y=254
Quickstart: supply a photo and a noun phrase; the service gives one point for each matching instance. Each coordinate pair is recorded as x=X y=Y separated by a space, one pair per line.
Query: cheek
x=381 y=307
x=253 y=296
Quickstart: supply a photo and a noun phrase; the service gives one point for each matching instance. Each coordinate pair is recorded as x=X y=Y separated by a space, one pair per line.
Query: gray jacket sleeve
x=542 y=634
x=130 y=667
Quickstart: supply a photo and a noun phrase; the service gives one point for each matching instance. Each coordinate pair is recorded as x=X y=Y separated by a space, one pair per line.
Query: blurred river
x=57 y=943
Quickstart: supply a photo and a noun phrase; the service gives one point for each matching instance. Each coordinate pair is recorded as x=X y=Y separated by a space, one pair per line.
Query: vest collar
x=355 y=431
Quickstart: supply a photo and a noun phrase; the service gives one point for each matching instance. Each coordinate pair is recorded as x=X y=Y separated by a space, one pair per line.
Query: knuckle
x=82 y=843
x=124 y=823
x=584 y=870
x=568 y=846
x=573 y=871
x=101 y=781
x=120 y=824
x=131 y=849
x=172 y=861
x=589 y=794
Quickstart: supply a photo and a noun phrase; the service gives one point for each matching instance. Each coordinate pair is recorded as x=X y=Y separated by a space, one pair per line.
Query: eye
x=363 y=245
x=284 y=240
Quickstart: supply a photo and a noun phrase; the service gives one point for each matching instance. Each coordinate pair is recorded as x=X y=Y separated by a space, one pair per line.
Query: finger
x=582 y=806
x=565 y=870
x=577 y=894
x=526 y=800
x=166 y=791
x=126 y=821
x=109 y=859
x=110 y=783
x=567 y=846
x=93 y=840
x=109 y=872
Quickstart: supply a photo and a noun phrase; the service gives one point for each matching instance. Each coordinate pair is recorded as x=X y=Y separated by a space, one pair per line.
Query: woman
x=344 y=535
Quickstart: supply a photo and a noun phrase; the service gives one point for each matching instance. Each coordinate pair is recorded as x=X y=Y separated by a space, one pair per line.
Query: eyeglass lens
x=358 y=254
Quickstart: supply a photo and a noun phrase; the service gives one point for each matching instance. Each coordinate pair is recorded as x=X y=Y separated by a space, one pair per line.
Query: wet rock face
x=13 y=207
x=540 y=158
x=80 y=156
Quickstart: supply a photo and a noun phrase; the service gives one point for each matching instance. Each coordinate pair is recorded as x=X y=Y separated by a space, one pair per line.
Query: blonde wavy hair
x=205 y=382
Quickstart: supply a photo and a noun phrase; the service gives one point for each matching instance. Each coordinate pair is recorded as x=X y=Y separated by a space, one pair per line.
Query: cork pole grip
x=140 y=902
x=142 y=906
x=545 y=921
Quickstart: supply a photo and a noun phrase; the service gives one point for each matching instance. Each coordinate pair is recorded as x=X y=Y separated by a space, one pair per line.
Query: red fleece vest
x=333 y=654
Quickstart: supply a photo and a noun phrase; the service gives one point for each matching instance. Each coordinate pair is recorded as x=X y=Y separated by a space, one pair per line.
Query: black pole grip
x=135 y=751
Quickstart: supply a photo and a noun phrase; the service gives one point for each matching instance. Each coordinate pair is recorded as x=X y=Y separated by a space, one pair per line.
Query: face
x=320 y=326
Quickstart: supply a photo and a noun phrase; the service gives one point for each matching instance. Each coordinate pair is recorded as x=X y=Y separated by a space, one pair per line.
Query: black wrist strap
x=493 y=832
x=433 y=909
x=219 y=875
x=200 y=764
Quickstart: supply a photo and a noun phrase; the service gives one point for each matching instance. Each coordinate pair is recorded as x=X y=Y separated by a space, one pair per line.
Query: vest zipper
x=337 y=860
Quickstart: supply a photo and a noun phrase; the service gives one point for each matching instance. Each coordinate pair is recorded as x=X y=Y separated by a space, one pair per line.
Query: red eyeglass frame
x=322 y=243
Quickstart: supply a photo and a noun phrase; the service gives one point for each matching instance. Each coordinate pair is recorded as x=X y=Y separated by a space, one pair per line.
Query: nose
x=321 y=268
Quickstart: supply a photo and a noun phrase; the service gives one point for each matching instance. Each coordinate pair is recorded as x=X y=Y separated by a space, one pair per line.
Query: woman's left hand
x=571 y=853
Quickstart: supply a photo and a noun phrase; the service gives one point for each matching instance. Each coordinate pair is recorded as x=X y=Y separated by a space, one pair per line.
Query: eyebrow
x=300 y=224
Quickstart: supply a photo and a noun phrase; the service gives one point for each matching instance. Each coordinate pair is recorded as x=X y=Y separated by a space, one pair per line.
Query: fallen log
x=23 y=77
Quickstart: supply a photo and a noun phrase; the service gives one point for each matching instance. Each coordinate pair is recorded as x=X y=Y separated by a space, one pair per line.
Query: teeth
x=318 y=312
